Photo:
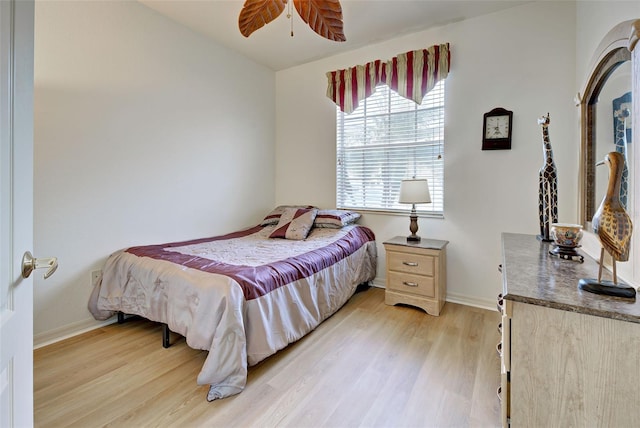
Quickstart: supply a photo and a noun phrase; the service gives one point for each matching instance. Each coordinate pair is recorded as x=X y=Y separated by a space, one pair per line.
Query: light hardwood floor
x=368 y=365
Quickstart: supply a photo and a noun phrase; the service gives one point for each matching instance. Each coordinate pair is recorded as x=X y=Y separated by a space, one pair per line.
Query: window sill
x=404 y=213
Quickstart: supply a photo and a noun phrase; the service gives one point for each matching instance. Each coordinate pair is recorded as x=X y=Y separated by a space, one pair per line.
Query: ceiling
x=365 y=22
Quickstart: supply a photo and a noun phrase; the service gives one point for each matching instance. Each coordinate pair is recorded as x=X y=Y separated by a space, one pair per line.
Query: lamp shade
x=414 y=191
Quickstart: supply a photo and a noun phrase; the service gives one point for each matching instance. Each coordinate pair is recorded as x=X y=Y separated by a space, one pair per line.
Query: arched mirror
x=607 y=108
x=608 y=105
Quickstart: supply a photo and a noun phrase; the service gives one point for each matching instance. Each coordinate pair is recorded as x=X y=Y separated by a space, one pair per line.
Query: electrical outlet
x=95 y=277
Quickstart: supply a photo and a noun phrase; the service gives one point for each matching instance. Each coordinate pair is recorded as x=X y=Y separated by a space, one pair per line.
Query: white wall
x=594 y=19
x=522 y=59
x=144 y=132
x=141 y=126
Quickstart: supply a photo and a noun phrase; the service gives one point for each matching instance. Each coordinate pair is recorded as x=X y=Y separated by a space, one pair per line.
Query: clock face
x=497 y=127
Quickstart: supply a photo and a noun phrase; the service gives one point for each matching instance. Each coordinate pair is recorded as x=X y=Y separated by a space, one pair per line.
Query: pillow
x=274 y=216
x=295 y=223
x=335 y=219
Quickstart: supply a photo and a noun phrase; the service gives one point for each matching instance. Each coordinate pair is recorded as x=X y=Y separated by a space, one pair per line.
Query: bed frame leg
x=166 y=336
x=363 y=287
x=120 y=317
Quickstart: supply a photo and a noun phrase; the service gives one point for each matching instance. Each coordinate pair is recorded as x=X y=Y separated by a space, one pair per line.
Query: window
x=386 y=139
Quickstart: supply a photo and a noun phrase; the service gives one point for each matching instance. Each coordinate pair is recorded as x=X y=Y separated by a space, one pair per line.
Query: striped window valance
x=411 y=75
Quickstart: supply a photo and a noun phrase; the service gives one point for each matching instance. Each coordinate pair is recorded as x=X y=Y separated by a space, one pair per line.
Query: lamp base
x=413 y=226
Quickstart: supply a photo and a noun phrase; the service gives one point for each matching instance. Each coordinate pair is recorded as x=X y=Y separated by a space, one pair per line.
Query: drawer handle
x=410 y=284
x=412 y=264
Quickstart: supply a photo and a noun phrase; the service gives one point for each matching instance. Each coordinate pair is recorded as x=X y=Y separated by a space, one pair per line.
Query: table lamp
x=414 y=191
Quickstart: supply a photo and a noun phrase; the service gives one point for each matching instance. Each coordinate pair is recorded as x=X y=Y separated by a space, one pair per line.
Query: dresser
x=416 y=273
x=568 y=357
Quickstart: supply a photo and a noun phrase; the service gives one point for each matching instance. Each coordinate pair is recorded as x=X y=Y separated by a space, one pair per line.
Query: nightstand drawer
x=409 y=283
x=412 y=263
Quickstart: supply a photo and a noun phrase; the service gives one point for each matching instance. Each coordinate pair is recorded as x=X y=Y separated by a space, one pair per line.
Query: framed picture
x=624 y=102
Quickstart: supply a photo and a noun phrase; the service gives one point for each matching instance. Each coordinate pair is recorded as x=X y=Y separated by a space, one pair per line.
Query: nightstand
x=416 y=273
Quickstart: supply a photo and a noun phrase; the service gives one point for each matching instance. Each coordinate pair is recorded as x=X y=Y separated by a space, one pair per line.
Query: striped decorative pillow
x=295 y=223
x=335 y=219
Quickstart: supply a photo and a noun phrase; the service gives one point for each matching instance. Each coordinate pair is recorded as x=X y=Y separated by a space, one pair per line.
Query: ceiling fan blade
x=256 y=13
x=323 y=16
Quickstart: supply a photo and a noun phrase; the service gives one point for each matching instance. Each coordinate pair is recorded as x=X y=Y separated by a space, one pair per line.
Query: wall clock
x=496 y=129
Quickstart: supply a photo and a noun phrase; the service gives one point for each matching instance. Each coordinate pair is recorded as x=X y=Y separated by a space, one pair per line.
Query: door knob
x=29 y=264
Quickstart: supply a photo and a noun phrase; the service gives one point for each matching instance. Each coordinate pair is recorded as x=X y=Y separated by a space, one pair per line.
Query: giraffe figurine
x=621 y=147
x=548 y=182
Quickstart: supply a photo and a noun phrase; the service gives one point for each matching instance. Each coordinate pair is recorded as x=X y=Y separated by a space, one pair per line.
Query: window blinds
x=389 y=138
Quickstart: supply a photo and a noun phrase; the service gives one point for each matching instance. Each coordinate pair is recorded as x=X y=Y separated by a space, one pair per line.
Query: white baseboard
x=461 y=299
x=476 y=302
x=378 y=283
x=67 y=331
x=74 y=329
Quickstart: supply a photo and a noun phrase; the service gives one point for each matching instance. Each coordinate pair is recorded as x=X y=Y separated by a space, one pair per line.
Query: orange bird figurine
x=613 y=226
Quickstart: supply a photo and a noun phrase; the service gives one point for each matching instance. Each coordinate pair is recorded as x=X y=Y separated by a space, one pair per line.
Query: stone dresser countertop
x=531 y=275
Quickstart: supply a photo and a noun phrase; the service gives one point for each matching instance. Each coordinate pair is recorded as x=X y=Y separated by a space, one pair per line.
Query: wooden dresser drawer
x=411 y=263
x=410 y=283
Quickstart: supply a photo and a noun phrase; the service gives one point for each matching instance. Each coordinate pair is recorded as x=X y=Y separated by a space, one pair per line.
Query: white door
x=16 y=212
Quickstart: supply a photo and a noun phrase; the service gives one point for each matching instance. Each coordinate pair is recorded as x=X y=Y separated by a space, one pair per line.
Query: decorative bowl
x=566 y=235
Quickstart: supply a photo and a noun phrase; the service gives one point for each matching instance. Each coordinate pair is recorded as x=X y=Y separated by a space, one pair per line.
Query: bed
x=245 y=295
